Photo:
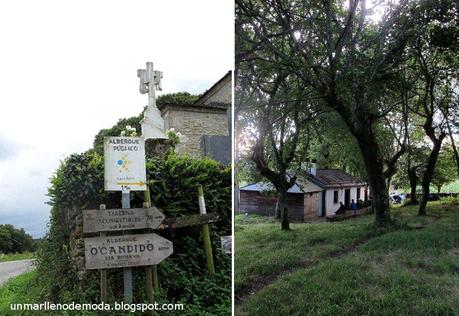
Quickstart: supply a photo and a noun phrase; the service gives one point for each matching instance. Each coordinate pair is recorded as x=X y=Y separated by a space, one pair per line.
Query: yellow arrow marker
x=131 y=183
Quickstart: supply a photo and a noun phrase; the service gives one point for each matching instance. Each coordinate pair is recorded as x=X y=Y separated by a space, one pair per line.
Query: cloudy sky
x=68 y=69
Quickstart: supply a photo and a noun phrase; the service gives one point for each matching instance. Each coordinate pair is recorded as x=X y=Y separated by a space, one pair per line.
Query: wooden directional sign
x=226 y=242
x=121 y=219
x=126 y=251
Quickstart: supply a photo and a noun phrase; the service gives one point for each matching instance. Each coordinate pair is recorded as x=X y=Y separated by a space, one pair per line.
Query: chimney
x=313 y=168
x=305 y=165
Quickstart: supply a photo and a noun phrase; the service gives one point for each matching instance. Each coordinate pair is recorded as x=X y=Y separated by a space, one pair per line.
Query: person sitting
x=341 y=209
x=353 y=206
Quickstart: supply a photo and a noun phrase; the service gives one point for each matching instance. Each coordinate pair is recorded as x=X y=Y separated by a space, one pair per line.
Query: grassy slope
x=16 y=256
x=410 y=272
x=263 y=249
x=21 y=289
x=452 y=187
x=25 y=288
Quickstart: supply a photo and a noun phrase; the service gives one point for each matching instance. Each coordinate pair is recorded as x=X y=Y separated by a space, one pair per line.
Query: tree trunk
x=375 y=170
x=427 y=177
x=361 y=128
x=453 y=144
x=278 y=206
x=282 y=208
x=388 y=181
x=413 y=183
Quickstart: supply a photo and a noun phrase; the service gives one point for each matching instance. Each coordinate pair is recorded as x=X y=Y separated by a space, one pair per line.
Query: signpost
x=124 y=163
x=126 y=251
x=125 y=171
x=121 y=219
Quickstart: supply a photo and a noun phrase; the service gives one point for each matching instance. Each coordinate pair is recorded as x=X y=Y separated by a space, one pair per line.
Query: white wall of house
x=332 y=207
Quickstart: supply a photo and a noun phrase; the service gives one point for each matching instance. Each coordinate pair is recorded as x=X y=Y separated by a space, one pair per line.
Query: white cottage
x=316 y=193
x=327 y=188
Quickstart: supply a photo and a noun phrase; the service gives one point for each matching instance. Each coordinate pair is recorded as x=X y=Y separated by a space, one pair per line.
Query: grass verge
x=263 y=250
x=409 y=271
x=21 y=289
x=16 y=256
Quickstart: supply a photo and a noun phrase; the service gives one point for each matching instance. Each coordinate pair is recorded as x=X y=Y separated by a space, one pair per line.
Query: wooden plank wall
x=254 y=203
x=311 y=205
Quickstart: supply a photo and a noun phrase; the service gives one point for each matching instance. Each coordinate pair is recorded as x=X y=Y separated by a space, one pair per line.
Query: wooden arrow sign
x=121 y=219
x=126 y=251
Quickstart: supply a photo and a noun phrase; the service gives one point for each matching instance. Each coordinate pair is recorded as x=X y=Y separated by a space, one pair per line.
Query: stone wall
x=76 y=241
x=193 y=122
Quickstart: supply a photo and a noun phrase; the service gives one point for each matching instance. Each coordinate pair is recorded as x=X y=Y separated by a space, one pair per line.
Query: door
x=311 y=205
x=347 y=198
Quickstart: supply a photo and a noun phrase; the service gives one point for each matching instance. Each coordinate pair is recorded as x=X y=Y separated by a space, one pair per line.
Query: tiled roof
x=324 y=178
x=265 y=186
x=334 y=178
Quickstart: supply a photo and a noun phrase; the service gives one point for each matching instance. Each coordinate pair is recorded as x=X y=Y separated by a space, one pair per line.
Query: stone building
x=204 y=124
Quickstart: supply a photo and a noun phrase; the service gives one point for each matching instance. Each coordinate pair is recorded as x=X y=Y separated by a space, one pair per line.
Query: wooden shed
x=260 y=198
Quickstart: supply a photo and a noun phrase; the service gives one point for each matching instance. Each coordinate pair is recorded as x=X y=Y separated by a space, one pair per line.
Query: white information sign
x=124 y=160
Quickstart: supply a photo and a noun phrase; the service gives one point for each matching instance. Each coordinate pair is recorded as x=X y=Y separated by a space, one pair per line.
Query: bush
x=78 y=184
x=452 y=200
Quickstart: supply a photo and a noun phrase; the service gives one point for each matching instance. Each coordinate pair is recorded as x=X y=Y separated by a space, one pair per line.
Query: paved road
x=14 y=268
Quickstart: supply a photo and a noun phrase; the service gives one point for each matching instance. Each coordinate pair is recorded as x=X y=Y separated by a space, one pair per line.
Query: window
x=335 y=196
x=358 y=194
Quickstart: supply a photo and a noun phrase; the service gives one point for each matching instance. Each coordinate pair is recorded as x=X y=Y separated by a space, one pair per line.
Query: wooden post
x=155 y=277
x=127 y=272
x=206 y=232
x=103 y=273
x=149 y=286
x=148 y=269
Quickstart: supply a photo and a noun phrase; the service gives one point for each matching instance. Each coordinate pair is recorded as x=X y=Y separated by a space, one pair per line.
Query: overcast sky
x=68 y=69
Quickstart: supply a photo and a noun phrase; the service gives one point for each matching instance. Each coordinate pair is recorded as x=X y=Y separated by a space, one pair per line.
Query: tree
x=435 y=62
x=332 y=146
x=182 y=98
x=413 y=162
x=445 y=171
x=14 y=240
x=452 y=130
x=279 y=128
x=348 y=62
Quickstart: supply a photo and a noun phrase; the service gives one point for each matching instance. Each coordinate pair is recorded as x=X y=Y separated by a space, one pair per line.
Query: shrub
x=78 y=184
x=452 y=200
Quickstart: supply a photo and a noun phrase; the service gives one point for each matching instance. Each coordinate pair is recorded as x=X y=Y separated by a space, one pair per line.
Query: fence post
x=103 y=272
x=148 y=269
x=206 y=232
x=127 y=272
